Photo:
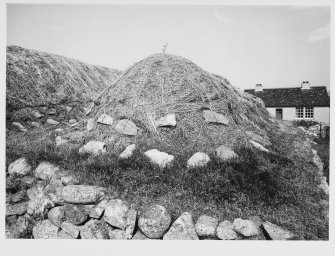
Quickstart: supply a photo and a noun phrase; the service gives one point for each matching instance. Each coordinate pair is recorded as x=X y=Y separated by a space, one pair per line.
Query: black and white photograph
x=167 y=122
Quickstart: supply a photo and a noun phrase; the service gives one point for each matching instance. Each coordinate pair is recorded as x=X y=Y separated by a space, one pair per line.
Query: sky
x=277 y=46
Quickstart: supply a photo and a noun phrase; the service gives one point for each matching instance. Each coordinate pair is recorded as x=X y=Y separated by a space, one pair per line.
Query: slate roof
x=293 y=97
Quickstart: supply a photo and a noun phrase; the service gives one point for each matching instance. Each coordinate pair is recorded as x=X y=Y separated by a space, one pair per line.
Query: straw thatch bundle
x=166 y=84
x=35 y=78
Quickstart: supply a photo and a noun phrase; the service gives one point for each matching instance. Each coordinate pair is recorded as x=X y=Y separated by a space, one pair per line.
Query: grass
x=278 y=187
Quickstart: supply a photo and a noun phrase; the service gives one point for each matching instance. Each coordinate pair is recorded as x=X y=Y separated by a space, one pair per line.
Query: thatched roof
x=35 y=78
x=163 y=84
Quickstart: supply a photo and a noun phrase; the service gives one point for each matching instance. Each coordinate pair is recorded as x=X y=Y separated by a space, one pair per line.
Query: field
x=280 y=187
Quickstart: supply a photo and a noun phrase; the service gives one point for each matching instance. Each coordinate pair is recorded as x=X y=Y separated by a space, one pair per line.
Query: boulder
x=128 y=152
x=246 y=228
x=69 y=180
x=131 y=222
x=95 y=229
x=18 y=197
x=213 y=117
x=90 y=124
x=140 y=236
x=105 y=119
x=27 y=180
x=98 y=210
x=206 y=226
x=19 y=167
x=168 y=120
x=19 y=126
x=126 y=127
x=160 y=158
x=17 y=229
x=93 y=147
x=117 y=234
x=63 y=235
x=225 y=232
x=39 y=205
x=71 y=229
x=75 y=214
x=258 y=146
x=52 y=122
x=224 y=153
x=82 y=194
x=182 y=229
x=116 y=213
x=277 y=233
x=16 y=209
x=36 y=114
x=36 y=191
x=199 y=159
x=154 y=221
x=45 y=230
x=46 y=171
x=57 y=215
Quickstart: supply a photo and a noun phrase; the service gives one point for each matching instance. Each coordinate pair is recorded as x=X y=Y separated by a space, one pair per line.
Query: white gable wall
x=321 y=114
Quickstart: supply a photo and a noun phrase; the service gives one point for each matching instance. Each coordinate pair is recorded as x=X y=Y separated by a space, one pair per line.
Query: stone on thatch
x=199 y=159
x=105 y=119
x=128 y=152
x=36 y=114
x=213 y=117
x=126 y=127
x=224 y=153
x=46 y=170
x=259 y=146
x=52 y=122
x=59 y=141
x=168 y=120
x=19 y=167
x=19 y=126
x=160 y=158
x=90 y=124
x=93 y=147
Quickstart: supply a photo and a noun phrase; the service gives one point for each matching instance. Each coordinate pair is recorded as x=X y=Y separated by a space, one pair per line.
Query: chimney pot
x=305 y=85
x=259 y=88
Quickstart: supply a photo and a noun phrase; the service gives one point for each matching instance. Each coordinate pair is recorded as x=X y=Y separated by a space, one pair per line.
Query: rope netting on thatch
x=164 y=84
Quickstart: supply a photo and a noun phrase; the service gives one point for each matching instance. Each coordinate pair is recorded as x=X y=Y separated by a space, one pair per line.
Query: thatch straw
x=36 y=78
x=162 y=84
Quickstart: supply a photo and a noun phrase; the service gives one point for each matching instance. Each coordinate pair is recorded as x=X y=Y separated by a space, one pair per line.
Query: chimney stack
x=259 y=88
x=305 y=85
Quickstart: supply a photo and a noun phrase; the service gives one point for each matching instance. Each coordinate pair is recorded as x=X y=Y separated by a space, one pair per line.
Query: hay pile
x=35 y=78
x=165 y=84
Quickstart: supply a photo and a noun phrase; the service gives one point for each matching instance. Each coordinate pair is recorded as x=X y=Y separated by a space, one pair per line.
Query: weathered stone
x=224 y=153
x=39 y=205
x=93 y=147
x=19 y=126
x=154 y=221
x=259 y=139
x=160 y=158
x=168 y=120
x=16 y=209
x=116 y=213
x=206 y=226
x=258 y=146
x=98 y=210
x=95 y=229
x=225 y=232
x=131 y=222
x=52 y=122
x=28 y=180
x=45 y=230
x=59 y=130
x=277 y=233
x=127 y=127
x=246 y=228
x=68 y=108
x=75 y=214
x=90 y=124
x=19 y=196
x=140 y=236
x=46 y=171
x=213 y=117
x=199 y=159
x=182 y=229
x=73 y=121
x=69 y=180
x=128 y=152
x=89 y=108
x=59 y=141
x=51 y=111
x=35 y=124
x=35 y=192
x=71 y=229
x=19 y=167
x=82 y=194
x=63 y=235
x=54 y=187
x=37 y=114
x=105 y=119
x=117 y=234
x=57 y=215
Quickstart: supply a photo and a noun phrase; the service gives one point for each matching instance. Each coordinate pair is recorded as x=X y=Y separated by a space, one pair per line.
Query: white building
x=296 y=103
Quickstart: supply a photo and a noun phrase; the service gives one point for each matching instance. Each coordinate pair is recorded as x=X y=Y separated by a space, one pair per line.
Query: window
x=279 y=113
x=309 y=112
x=299 y=112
